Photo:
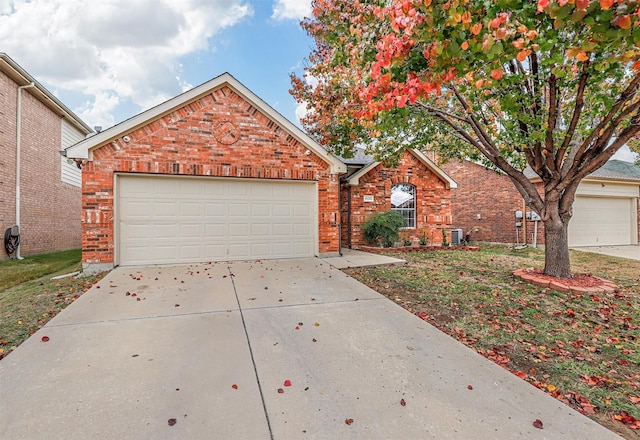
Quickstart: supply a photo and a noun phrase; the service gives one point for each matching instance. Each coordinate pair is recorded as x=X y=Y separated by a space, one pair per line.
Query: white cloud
x=6 y=6
x=100 y=109
x=113 y=51
x=301 y=108
x=301 y=111
x=291 y=9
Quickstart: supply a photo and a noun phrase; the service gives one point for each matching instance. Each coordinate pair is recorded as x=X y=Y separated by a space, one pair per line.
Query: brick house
x=606 y=209
x=214 y=174
x=416 y=188
x=40 y=190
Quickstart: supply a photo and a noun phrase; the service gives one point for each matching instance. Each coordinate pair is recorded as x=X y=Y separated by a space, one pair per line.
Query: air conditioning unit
x=456 y=237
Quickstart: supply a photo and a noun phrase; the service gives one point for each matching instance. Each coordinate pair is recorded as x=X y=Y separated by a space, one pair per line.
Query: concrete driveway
x=202 y=352
x=631 y=252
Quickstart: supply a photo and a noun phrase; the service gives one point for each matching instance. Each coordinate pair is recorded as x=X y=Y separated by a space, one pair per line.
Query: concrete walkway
x=631 y=252
x=354 y=258
x=201 y=352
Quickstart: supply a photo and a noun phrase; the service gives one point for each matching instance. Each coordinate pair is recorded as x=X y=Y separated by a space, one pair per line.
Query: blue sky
x=109 y=60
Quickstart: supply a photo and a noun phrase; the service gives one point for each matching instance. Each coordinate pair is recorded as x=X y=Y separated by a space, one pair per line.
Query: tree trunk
x=556 y=250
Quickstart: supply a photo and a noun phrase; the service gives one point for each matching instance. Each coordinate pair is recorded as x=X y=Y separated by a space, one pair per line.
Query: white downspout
x=18 y=141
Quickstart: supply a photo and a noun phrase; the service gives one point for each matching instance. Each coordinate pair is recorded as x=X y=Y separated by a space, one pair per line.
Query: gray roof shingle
x=359 y=158
x=613 y=169
x=618 y=169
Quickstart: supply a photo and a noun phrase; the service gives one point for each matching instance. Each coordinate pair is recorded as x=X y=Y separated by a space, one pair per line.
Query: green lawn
x=29 y=298
x=14 y=272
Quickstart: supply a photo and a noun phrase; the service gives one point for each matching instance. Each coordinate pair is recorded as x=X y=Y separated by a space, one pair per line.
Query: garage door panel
x=189 y=191
x=239 y=189
x=301 y=230
x=238 y=209
x=191 y=231
x=301 y=248
x=161 y=241
x=164 y=220
x=161 y=209
x=215 y=251
x=215 y=230
x=191 y=209
x=282 y=192
x=136 y=232
x=137 y=253
x=134 y=189
x=260 y=230
x=281 y=249
x=298 y=192
x=190 y=252
x=164 y=253
x=238 y=250
x=260 y=209
x=300 y=209
x=282 y=230
x=238 y=230
x=138 y=208
x=261 y=250
x=263 y=191
x=282 y=210
x=217 y=209
x=601 y=221
x=163 y=231
x=214 y=191
x=167 y=187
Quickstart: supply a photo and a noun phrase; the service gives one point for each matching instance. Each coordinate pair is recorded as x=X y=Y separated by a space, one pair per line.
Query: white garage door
x=166 y=220
x=601 y=221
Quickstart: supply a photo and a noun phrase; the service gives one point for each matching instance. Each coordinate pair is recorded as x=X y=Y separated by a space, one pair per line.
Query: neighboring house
x=214 y=174
x=416 y=188
x=605 y=210
x=40 y=190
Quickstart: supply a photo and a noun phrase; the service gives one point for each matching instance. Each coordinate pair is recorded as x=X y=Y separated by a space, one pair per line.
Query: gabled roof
x=22 y=78
x=83 y=149
x=618 y=170
x=355 y=177
x=359 y=157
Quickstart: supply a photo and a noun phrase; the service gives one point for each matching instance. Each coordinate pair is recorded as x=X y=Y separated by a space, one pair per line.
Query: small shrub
x=383 y=228
x=423 y=239
x=407 y=242
x=444 y=238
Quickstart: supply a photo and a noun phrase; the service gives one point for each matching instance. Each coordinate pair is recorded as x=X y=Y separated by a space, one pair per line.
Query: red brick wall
x=183 y=143
x=433 y=201
x=494 y=197
x=8 y=156
x=50 y=209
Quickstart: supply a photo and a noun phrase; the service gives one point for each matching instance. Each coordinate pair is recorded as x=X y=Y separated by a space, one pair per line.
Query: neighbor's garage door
x=166 y=220
x=601 y=221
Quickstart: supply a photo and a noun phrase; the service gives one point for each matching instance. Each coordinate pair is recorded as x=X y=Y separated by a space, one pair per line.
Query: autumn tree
x=551 y=84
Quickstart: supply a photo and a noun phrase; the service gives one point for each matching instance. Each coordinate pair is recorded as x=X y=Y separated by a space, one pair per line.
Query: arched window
x=403 y=200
